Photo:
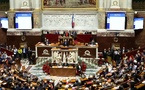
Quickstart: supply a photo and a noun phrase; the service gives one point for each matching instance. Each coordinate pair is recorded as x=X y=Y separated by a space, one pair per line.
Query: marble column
x=105 y=4
x=37 y=4
x=11 y=19
x=12 y=4
x=129 y=4
x=101 y=6
x=108 y=2
x=124 y=4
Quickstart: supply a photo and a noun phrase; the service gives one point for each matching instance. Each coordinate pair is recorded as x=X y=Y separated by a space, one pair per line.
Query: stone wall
x=3 y=36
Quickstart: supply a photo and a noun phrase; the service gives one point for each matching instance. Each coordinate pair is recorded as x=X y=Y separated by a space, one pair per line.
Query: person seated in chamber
x=65 y=64
x=66 y=42
x=92 y=42
x=75 y=41
x=47 y=42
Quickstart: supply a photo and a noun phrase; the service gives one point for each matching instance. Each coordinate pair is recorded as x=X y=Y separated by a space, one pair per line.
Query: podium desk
x=69 y=55
x=88 y=51
x=66 y=72
x=43 y=51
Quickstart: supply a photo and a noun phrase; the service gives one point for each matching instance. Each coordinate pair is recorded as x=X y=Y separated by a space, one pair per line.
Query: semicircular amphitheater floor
x=37 y=71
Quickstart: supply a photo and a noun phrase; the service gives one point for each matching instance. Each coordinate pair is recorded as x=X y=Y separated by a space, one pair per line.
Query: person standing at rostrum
x=66 y=43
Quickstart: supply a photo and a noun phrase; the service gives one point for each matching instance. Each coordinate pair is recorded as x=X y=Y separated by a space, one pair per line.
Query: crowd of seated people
x=128 y=73
x=13 y=77
x=124 y=76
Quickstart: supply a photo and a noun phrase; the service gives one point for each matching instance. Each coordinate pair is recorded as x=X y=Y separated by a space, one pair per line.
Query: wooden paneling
x=41 y=53
x=3 y=36
x=106 y=42
x=103 y=42
x=30 y=40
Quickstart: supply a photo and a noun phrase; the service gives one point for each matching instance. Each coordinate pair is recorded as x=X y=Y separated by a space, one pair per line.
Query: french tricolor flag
x=73 y=21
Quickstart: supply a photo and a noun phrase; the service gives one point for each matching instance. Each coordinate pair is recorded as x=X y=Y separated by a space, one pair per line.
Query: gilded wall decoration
x=68 y=3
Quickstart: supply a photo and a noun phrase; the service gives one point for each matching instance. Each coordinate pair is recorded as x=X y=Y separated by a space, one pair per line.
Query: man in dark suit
x=79 y=69
x=74 y=34
x=25 y=51
x=105 y=54
x=123 y=51
x=92 y=42
x=66 y=43
x=65 y=64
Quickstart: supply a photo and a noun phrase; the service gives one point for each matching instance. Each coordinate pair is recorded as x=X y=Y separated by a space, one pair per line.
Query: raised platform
x=65 y=72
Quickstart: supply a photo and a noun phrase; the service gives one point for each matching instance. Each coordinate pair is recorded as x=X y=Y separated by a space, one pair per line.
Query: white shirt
x=15 y=51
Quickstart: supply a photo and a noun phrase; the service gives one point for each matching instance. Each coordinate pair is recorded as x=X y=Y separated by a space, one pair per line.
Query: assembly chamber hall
x=72 y=45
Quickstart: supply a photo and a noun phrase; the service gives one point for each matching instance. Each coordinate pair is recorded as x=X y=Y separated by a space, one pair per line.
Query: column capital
x=129 y=10
x=101 y=10
x=37 y=10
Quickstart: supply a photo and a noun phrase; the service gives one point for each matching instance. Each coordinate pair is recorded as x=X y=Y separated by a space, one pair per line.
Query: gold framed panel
x=23 y=44
x=70 y=4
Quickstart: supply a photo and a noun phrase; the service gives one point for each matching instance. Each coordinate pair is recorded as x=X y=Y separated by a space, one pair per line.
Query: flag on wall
x=73 y=22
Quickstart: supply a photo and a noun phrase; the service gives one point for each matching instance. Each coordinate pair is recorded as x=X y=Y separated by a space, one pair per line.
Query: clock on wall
x=25 y=3
x=23 y=37
x=115 y=3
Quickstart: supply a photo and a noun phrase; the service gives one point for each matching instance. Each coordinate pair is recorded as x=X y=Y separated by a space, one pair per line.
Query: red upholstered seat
x=77 y=72
x=102 y=61
x=46 y=68
x=83 y=66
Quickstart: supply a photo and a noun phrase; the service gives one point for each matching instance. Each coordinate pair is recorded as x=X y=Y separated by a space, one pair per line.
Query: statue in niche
x=69 y=3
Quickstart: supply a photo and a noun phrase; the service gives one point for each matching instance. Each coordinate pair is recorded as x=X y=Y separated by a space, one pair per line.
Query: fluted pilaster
x=101 y=6
x=37 y=4
x=129 y=4
x=12 y=4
